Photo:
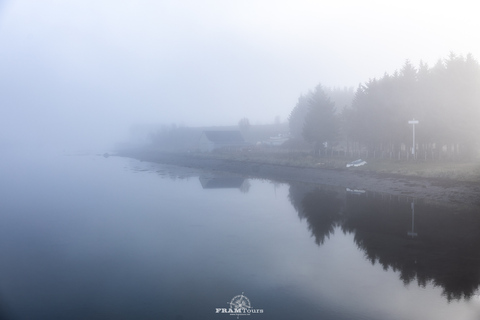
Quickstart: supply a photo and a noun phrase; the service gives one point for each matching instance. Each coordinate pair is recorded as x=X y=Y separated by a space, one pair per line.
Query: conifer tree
x=321 y=126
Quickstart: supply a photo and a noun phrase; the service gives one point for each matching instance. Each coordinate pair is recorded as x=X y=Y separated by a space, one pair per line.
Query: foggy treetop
x=444 y=98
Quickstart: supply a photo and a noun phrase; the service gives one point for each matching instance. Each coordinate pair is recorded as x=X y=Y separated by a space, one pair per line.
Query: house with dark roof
x=212 y=140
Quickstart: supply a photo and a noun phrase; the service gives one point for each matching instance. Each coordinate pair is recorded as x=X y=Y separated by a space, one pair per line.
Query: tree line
x=445 y=99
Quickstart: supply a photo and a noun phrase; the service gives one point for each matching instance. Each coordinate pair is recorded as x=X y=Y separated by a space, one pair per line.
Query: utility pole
x=413 y=122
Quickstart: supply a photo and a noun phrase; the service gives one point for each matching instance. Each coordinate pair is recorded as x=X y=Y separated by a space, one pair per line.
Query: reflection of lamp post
x=413 y=233
x=413 y=122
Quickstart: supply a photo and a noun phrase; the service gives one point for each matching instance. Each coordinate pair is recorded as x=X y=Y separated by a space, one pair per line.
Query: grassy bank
x=448 y=170
x=460 y=171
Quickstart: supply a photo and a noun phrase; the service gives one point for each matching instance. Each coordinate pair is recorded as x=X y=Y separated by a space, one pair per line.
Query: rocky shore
x=458 y=194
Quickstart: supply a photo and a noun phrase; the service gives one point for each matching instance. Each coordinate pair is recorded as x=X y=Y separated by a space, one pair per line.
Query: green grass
x=458 y=170
x=451 y=170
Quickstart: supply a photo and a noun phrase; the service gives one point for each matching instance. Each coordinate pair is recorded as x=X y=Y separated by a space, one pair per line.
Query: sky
x=83 y=72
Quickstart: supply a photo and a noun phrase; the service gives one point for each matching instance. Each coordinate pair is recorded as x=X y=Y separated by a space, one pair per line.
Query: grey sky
x=87 y=70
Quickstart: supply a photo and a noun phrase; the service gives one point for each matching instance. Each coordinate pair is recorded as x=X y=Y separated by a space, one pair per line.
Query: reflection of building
x=211 y=140
x=222 y=182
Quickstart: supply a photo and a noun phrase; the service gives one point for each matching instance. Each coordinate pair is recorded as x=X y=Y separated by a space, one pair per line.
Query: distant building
x=211 y=140
x=277 y=140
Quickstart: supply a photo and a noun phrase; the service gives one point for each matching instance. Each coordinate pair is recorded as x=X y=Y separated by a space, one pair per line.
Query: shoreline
x=436 y=190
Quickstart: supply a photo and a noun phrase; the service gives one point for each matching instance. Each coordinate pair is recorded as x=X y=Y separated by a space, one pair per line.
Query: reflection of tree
x=320 y=207
x=245 y=187
x=446 y=252
x=322 y=210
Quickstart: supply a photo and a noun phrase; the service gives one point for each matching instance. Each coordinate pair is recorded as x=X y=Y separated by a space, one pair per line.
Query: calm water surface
x=88 y=237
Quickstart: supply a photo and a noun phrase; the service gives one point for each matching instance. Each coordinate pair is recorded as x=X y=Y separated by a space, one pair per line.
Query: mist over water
x=96 y=237
x=87 y=235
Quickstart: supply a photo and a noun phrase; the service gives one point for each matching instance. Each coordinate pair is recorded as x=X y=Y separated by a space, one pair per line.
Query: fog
x=79 y=74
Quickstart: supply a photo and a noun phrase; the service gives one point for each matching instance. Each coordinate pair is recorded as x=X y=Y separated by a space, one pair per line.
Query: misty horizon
x=167 y=159
x=81 y=74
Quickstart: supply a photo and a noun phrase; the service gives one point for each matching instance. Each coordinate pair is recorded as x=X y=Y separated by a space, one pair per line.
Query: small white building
x=277 y=140
x=211 y=140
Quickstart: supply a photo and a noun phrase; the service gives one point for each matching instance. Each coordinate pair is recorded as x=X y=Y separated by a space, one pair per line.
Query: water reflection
x=321 y=206
x=208 y=180
x=412 y=233
x=224 y=181
x=422 y=242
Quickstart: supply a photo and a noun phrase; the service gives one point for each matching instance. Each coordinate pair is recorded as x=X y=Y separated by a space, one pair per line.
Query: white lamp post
x=413 y=122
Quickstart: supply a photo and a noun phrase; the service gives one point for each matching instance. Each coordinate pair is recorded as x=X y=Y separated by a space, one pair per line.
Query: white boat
x=356 y=163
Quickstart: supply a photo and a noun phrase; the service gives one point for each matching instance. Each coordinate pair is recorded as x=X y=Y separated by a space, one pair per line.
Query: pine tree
x=296 y=120
x=321 y=126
